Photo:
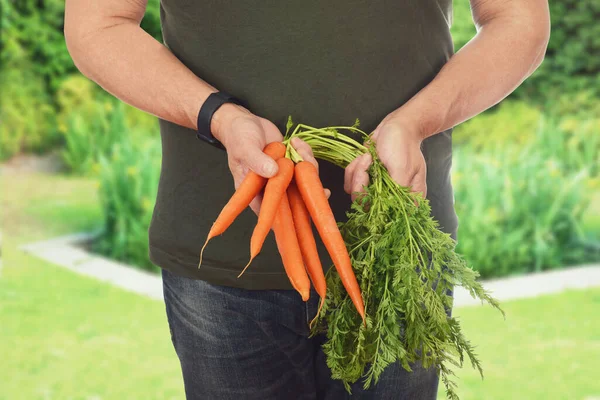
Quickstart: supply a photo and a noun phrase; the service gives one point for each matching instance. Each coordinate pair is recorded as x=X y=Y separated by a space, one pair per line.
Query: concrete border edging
x=67 y=252
x=536 y=284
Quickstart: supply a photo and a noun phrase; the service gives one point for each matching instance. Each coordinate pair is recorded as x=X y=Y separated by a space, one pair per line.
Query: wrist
x=222 y=119
x=420 y=120
x=407 y=126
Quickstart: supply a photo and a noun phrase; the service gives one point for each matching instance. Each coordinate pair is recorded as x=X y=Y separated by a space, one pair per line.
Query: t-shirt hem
x=219 y=276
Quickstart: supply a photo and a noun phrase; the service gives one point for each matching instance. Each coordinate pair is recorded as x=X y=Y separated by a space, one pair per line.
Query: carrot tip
x=310 y=325
x=202 y=251
x=246 y=267
x=305 y=295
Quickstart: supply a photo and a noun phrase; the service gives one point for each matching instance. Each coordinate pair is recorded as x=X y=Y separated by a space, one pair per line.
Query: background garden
x=527 y=184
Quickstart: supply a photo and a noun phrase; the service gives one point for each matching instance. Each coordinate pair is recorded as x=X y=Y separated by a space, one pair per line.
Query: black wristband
x=208 y=109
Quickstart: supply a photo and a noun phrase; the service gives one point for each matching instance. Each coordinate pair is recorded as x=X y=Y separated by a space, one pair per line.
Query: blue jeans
x=237 y=344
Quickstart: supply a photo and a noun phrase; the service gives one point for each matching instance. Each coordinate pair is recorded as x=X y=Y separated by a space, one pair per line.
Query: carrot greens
x=406 y=269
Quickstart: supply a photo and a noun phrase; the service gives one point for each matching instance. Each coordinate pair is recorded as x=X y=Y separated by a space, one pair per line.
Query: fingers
x=305 y=151
x=272 y=133
x=254 y=159
x=400 y=175
x=356 y=176
x=255 y=204
x=361 y=177
x=419 y=182
x=247 y=138
x=349 y=175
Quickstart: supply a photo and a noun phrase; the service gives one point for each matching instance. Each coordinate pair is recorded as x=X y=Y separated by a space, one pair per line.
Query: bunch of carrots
x=291 y=198
x=392 y=244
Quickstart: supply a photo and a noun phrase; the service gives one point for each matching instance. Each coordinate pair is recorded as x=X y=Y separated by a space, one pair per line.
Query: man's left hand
x=399 y=148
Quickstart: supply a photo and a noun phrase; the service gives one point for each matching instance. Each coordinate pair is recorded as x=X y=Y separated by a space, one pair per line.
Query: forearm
x=130 y=64
x=503 y=53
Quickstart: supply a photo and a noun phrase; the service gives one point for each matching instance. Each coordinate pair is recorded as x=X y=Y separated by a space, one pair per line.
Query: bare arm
x=108 y=45
x=511 y=40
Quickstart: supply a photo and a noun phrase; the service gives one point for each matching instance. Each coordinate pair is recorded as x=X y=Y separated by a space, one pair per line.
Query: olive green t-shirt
x=322 y=62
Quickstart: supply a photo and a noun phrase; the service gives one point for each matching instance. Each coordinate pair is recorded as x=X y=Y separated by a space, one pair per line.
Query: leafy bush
x=571 y=125
x=510 y=122
x=86 y=140
x=27 y=121
x=575 y=142
x=571 y=62
x=35 y=28
x=35 y=67
x=521 y=207
x=151 y=21
x=583 y=105
x=92 y=122
x=463 y=28
x=128 y=184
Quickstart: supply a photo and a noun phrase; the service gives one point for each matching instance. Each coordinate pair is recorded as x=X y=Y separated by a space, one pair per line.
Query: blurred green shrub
x=572 y=63
x=90 y=122
x=93 y=122
x=27 y=121
x=570 y=123
x=128 y=180
x=509 y=122
x=35 y=29
x=573 y=141
x=584 y=105
x=521 y=206
x=35 y=69
x=151 y=21
x=463 y=28
x=87 y=139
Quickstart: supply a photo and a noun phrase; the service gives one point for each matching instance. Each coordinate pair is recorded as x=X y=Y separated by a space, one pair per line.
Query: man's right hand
x=244 y=136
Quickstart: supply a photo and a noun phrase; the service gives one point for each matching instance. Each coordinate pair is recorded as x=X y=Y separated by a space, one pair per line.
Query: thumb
x=259 y=162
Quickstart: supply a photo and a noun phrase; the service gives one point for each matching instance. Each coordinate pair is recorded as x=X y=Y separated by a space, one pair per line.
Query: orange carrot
x=243 y=196
x=275 y=189
x=313 y=194
x=287 y=244
x=306 y=239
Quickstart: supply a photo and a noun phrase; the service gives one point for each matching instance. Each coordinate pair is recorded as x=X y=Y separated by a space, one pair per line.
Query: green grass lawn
x=64 y=336
x=548 y=348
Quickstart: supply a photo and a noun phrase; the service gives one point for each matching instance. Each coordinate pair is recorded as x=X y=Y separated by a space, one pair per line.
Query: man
x=388 y=63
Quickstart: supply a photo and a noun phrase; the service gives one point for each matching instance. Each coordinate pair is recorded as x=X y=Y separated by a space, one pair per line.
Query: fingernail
x=271 y=168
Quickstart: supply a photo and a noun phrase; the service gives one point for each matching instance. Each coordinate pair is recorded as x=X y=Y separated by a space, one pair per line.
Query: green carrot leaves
x=406 y=268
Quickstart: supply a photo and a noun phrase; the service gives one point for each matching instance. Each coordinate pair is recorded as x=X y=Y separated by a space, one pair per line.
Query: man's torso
x=323 y=63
